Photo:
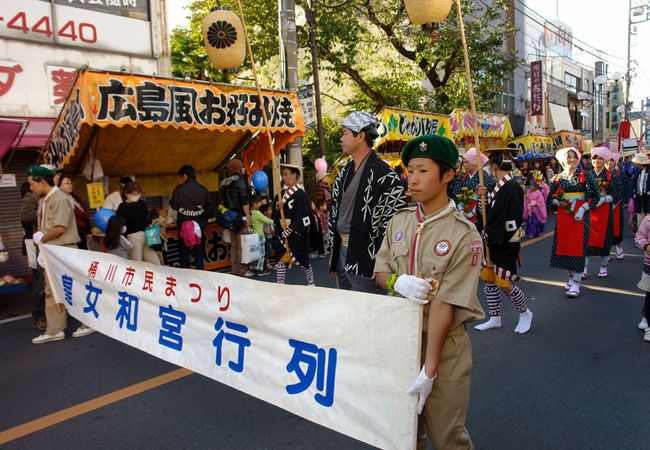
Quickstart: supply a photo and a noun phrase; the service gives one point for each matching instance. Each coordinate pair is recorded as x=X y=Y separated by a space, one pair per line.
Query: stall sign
x=105 y=99
x=564 y=139
x=306 y=97
x=95 y=194
x=530 y=147
x=615 y=102
x=404 y=125
x=489 y=125
x=283 y=344
x=8 y=180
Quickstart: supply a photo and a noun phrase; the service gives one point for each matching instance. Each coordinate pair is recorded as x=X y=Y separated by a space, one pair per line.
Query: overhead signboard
x=114 y=25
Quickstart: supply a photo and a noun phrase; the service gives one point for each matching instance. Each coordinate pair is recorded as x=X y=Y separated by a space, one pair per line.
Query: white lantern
x=424 y=12
x=224 y=39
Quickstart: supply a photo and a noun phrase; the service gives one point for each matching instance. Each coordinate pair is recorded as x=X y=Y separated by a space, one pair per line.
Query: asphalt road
x=577 y=380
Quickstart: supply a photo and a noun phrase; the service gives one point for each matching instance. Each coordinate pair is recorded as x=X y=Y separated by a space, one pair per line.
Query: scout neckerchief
x=420 y=226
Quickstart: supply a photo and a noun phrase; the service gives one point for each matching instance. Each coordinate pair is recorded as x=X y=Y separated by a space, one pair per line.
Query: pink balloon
x=321 y=165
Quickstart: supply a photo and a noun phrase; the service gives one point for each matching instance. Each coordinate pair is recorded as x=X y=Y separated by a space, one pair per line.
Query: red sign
x=536 y=88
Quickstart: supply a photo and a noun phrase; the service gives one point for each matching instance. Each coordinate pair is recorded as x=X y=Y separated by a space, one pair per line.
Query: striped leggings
x=281 y=273
x=493 y=294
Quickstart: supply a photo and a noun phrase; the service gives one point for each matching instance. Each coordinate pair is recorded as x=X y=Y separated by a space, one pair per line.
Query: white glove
x=555 y=202
x=40 y=260
x=608 y=199
x=422 y=388
x=601 y=200
x=413 y=288
x=38 y=237
x=581 y=212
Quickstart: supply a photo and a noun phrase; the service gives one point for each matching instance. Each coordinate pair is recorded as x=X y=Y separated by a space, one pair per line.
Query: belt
x=575 y=195
x=345 y=239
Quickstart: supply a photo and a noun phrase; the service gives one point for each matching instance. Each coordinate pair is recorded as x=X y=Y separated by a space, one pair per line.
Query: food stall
x=115 y=124
x=494 y=129
x=564 y=139
x=533 y=147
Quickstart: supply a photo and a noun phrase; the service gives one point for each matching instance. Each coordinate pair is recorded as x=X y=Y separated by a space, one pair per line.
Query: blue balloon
x=101 y=218
x=260 y=180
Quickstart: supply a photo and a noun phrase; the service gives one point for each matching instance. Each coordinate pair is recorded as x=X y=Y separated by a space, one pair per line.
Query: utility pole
x=311 y=21
x=627 y=75
x=289 y=58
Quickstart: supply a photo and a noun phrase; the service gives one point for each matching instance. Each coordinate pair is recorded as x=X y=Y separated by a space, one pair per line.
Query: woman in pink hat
x=619 y=181
x=601 y=225
x=572 y=193
x=470 y=181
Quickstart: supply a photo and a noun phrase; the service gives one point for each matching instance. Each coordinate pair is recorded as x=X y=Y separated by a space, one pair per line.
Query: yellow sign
x=404 y=125
x=533 y=146
x=490 y=125
x=95 y=194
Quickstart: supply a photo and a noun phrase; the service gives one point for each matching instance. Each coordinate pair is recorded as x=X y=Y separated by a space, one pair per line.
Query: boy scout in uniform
x=432 y=255
x=57 y=226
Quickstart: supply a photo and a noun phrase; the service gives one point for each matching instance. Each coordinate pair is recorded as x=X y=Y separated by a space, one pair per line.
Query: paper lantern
x=224 y=39
x=425 y=12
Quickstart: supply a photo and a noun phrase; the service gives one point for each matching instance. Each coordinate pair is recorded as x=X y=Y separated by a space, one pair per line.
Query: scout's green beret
x=431 y=146
x=39 y=171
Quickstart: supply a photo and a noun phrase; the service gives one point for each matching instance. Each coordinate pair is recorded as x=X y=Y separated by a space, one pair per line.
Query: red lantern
x=224 y=39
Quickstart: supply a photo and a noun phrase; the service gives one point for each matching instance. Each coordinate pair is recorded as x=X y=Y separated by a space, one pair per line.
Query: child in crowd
x=322 y=218
x=268 y=236
x=535 y=206
x=114 y=240
x=258 y=219
x=642 y=239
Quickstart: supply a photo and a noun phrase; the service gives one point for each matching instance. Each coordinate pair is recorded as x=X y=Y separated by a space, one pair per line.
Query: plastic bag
x=251 y=250
x=152 y=235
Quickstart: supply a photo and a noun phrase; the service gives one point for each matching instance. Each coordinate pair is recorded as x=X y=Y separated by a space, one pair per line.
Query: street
x=577 y=380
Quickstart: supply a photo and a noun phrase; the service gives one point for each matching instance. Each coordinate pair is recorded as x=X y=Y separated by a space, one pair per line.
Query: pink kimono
x=535 y=212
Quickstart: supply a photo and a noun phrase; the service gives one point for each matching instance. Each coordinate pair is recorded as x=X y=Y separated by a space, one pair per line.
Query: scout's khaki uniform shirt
x=449 y=250
x=56 y=210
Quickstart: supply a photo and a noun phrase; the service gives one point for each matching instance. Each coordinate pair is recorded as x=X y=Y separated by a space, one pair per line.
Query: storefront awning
x=560 y=119
x=492 y=126
x=9 y=133
x=144 y=125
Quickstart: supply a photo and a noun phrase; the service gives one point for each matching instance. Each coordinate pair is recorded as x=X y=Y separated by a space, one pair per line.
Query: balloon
x=321 y=165
x=101 y=218
x=260 y=180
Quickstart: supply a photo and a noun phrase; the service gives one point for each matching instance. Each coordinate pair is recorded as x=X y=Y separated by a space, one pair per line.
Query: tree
x=373 y=48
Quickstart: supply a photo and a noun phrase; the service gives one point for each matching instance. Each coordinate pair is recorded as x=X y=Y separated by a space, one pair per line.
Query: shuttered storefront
x=10 y=228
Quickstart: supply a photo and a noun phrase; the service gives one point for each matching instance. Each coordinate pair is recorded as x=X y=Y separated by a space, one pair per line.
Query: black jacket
x=192 y=201
x=234 y=193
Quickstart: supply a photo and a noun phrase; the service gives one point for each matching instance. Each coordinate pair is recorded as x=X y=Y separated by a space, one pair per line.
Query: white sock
x=525 y=320
x=494 y=322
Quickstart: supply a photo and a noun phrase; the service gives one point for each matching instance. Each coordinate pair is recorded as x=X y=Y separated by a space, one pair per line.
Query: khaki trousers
x=141 y=252
x=236 y=266
x=444 y=413
x=56 y=321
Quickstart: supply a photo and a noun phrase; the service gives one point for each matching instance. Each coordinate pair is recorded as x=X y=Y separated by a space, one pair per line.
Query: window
x=507 y=100
x=571 y=83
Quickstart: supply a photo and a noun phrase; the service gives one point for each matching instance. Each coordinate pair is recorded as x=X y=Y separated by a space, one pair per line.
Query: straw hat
x=641 y=158
x=321 y=174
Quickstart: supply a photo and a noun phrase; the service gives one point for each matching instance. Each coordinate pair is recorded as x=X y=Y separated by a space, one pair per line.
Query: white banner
x=338 y=358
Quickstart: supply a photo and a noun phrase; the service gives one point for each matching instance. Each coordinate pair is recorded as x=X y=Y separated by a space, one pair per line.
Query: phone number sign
x=74 y=26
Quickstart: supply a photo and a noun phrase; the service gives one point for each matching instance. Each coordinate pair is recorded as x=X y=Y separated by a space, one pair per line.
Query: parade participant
x=641 y=187
x=572 y=192
x=136 y=213
x=113 y=200
x=467 y=204
x=642 y=240
x=535 y=206
x=193 y=202
x=502 y=232
x=296 y=212
x=620 y=185
x=365 y=195
x=601 y=221
x=236 y=197
x=56 y=225
x=29 y=221
x=431 y=255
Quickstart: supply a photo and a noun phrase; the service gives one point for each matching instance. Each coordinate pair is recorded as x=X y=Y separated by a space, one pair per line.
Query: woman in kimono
x=296 y=235
x=572 y=193
x=619 y=180
x=601 y=223
x=470 y=181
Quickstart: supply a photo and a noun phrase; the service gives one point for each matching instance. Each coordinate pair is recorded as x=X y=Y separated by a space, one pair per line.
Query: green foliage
x=373 y=49
x=310 y=149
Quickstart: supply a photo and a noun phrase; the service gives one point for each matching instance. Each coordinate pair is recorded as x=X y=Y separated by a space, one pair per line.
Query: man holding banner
x=57 y=226
x=432 y=255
